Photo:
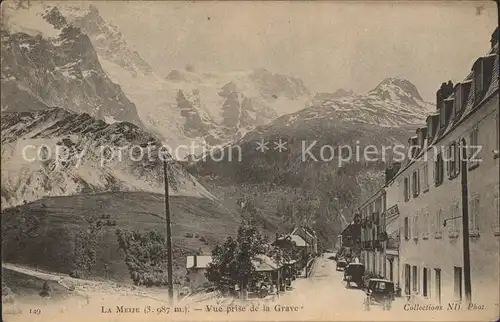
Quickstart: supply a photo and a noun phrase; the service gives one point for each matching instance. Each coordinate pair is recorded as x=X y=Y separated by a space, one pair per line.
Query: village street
x=323 y=291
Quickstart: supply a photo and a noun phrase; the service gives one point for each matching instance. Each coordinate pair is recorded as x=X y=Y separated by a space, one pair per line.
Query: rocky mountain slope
x=394 y=102
x=184 y=107
x=54 y=152
x=208 y=109
x=322 y=148
x=107 y=39
x=46 y=59
x=352 y=120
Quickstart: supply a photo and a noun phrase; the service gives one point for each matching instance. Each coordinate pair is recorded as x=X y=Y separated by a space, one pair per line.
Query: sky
x=352 y=45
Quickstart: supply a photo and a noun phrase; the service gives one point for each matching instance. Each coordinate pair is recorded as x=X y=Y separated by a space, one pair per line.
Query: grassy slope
x=45 y=247
x=29 y=286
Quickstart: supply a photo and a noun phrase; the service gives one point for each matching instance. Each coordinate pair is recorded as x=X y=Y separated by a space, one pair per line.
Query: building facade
x=196 y=267
x=350 y=239
x=458 y=148
x=372 y=233
x=391 y=237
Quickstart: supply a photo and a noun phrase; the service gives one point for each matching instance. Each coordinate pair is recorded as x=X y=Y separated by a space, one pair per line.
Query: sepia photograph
x=250 y=160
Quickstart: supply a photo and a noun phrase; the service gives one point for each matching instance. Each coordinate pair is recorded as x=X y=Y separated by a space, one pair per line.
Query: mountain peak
x=404 y=84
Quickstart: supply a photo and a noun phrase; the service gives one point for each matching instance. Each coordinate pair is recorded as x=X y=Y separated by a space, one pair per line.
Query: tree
x=145 y=256
x=86 y=243
x=232 y=261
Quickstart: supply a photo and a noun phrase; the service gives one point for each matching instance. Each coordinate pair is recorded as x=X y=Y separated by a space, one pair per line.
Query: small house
x=196 y=267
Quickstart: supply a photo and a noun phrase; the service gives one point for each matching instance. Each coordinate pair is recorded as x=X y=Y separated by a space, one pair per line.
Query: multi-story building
x=380 y=230
x=412 y=229
x=372 y=229
x=454 y=172
x=350 y=239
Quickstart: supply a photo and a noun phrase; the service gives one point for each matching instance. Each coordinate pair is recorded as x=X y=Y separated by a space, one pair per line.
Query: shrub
x=85 y=252
x=46 y=290
x=145 y=257
x=7 y=294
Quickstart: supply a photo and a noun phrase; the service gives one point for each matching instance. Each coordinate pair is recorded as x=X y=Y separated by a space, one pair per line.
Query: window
x=406 y=229
x=438 y=170
x=407 y=279
x=454 y=220
x=438 y=284
x=415 y=278
x=474 y=212
x=439 y=223
x=474 y=148
x=415 y=230
x=415 y=180
x=457 y=283
x=425 y=177
x=458 y=151
x=452 y=160
x=407 y=189
x=424 y=280
x=426 y=224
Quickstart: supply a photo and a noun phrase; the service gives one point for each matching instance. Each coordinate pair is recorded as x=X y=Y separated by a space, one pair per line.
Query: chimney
x=195 y=261
x=391 y=170
x=494 y=38
x=445 y=91
x=413 y=146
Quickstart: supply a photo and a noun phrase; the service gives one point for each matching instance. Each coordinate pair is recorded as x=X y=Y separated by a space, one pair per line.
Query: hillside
x=56 y=65
x=54 y=152
x=40 y=234
x=335 y=126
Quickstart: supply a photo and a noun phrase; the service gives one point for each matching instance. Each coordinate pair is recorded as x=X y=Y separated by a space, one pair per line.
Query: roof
x=296 y=239
x=299 y=241
x=264 y=263
x=470 y=107
x=201 y=261
x=307 y=230
x=466 y=111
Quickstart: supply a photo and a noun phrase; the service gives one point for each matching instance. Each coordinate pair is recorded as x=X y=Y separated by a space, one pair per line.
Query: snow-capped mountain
x=184 y=107
x=385 y=116
x=54 y=152
x=108 y=41
x=394 y=102
x=209 y=109
x=340 y=93
x=55 y=63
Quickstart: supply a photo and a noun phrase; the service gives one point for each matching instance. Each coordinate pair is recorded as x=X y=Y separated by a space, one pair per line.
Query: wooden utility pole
x=168 y=235
x=465 y=223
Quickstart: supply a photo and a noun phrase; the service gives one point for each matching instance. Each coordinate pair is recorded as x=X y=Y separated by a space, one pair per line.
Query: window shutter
x=476 y=213
x=418 y=180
